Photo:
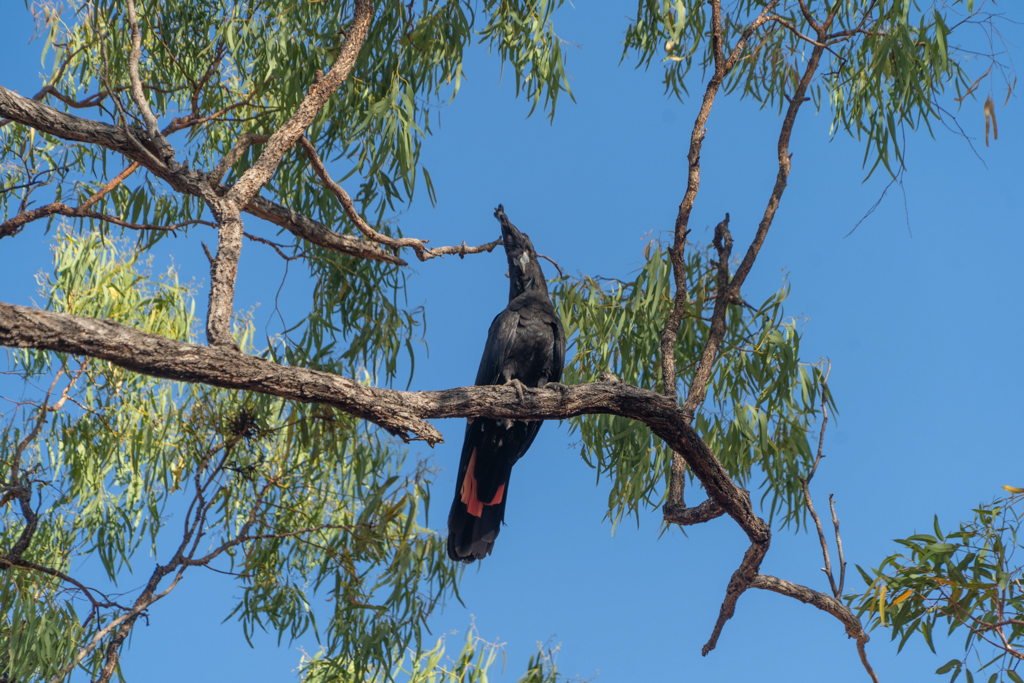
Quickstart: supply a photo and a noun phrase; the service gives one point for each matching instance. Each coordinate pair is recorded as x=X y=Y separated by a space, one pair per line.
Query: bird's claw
x=520 y=389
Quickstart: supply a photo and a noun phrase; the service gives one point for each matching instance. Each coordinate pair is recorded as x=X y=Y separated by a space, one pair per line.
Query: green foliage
x=358 y=320
x=763 y=399
x=39 y=631
x=887 y=64
x=244 y=67
x=471 y=665
x=525 y=38
x=216 y=70
x=673 y=28
x=305 y=505
x=892 y=77
x=968 y=580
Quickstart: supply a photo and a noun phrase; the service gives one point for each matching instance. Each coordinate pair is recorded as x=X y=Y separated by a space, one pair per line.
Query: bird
x=525 y=348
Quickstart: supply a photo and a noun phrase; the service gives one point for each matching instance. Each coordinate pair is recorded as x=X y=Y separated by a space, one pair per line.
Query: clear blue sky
x=923 y=327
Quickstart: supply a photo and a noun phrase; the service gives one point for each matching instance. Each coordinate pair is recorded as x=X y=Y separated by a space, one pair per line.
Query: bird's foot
x=520 y=389
x=562 y=388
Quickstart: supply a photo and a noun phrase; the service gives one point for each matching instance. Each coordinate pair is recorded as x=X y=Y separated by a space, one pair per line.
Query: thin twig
x=423 y=253
x=114 y=182
x=805 y=485
x=547 y=258
x=14 y=225
x=839 y=544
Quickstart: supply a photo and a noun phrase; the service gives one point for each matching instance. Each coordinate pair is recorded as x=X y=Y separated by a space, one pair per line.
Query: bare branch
x=864 y=660
x=724 y=295
x=25 y=564
x=716 y=35
x=223 y=272
x=423 y=253
x=826 y=604
x=788 y=25
x=546 y=258
x=318 y=233
x=805 y=485
x=705 y=512
x=114 y=182
x=741 y=580
x=799 y=97
x=677 y=254
x=839 y=544
x=821 y=534
x=808 y=16
x=224 y=269
x=20 y=490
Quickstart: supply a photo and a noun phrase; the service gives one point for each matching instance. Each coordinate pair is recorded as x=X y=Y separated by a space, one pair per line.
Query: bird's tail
x=479 y=506
x=471 y=537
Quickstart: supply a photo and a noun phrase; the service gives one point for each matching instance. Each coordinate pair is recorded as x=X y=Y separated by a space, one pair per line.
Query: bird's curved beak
x=513 y=240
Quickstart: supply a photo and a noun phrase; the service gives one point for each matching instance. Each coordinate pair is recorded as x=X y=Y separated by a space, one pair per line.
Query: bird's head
x=524 y=272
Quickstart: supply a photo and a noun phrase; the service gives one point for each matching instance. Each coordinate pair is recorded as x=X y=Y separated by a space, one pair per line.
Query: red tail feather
x=474 y=505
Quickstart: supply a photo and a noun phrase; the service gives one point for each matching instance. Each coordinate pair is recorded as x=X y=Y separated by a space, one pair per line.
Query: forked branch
x=729 y=293
x=423 y=253
x=670 y=332
x=833 y=605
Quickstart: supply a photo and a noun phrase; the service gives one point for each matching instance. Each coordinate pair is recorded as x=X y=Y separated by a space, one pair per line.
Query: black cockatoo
x=525 y=344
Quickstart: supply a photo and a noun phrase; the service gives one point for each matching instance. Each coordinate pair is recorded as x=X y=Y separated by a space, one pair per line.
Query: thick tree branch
x=739 y=582
x=224 y=272
x=825 y=603
x=705 y=512
x=48 y=120
x=400 y=412
x=324 y=86
x=729 y=290
x=232 y=157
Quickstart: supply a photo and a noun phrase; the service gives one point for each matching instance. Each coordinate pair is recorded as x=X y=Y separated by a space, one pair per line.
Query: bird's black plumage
x=526 y=343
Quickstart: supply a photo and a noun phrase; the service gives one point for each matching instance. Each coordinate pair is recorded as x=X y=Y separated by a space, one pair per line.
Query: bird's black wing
x=558 y=361
x=500 y=338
